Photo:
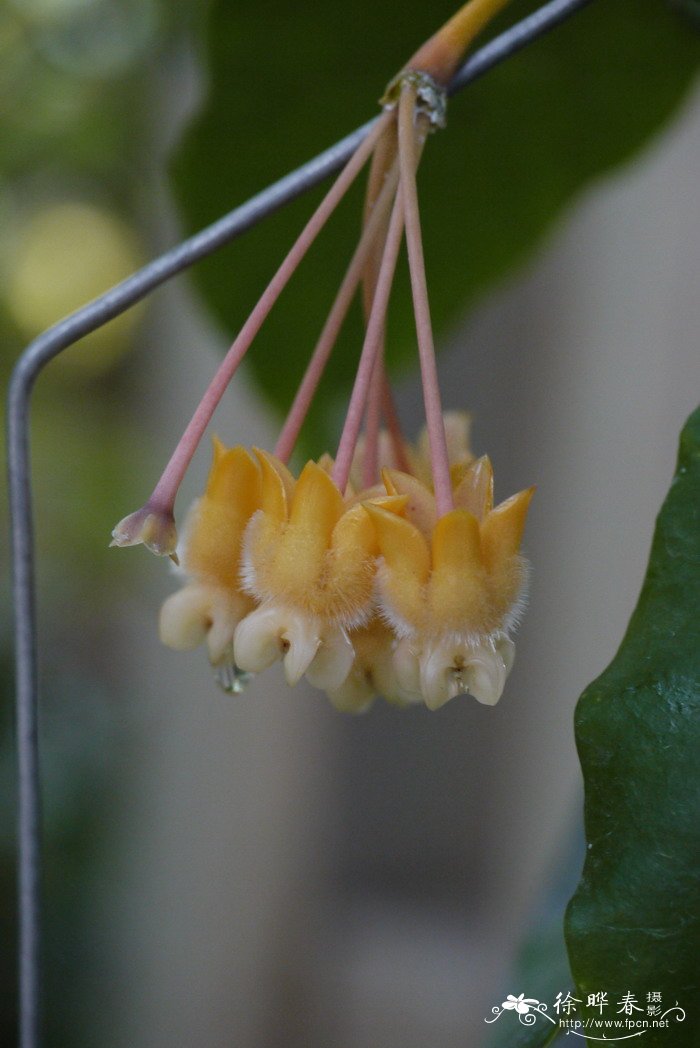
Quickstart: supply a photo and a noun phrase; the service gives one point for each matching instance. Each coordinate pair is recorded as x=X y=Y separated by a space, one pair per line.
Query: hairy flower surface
x=366 y=593
x=309 y=563
x=212 y=603
x=451 y=588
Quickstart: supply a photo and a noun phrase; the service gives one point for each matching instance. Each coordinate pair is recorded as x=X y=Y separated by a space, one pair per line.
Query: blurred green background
x=271 y=873
x=79 y=83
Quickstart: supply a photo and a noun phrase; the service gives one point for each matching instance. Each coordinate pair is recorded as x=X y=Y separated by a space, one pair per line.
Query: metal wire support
x=29 y=366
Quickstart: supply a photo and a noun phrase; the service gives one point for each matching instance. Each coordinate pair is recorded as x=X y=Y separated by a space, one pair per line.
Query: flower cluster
x=385 y=570
x=366 y=592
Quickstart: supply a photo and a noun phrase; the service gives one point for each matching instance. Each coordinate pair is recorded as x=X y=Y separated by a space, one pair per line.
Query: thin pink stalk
x=164 y=493
x=371 y=347
x=398 y=444
x=327 y=339
x=383 y=159
x=439 y=460
x=373 y=419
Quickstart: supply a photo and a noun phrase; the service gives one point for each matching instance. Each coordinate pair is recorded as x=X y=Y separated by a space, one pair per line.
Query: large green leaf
x=634 y=923
x=287 y=80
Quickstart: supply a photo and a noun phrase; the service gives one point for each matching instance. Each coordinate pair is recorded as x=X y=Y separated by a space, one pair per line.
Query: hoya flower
x=373 y=672
x=451 y=587
x=212 y=603
x=415 y=458
x=309 y=563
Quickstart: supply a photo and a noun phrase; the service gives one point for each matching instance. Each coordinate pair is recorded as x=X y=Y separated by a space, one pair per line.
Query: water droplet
x=231 y=678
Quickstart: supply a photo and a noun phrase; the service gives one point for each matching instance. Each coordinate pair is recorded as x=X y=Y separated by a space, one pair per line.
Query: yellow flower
x=451 y=589
x=212 y=603
x=309 y=562
x=367 y=594
x=417 y=457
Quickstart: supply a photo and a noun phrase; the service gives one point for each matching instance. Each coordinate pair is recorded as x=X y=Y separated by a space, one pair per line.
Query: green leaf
x=286 y=81
x=633 y=924
x=688 y=7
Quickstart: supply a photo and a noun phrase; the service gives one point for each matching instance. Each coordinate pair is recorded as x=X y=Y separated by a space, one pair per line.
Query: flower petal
x=332 y=662
x=355 y=695
x=257 y=642
x=301 y=640
x=317 y=505
x=440 y=679
x=407 y=566
x=475 y=489
x=486 y=675
x=420 y=502
x=506 y=649
x=502 y=530
x=234 y=480
x=277 y=486
x=407 y=667
x=457 y=426
x=184 y=618
x=458 y=595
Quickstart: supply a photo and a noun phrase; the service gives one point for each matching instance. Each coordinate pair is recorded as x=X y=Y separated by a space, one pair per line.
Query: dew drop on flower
x=231 y=679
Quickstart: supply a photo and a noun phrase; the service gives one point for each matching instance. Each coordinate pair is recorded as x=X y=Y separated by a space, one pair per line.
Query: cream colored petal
x=355 y=695
x=388 y=685
x=273 y=632
x=407 y=668
x=486 y=676
x=333 y=660
x=440 y=680
x=257 y=642
x=198 y=613
x=454 y=666
x=225 y=615
x=506 y=649
x=302 y=639
x=184 y=618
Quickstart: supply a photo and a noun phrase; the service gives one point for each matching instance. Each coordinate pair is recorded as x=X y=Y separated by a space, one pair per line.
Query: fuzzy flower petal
x=211 y=604
x=452 y=588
